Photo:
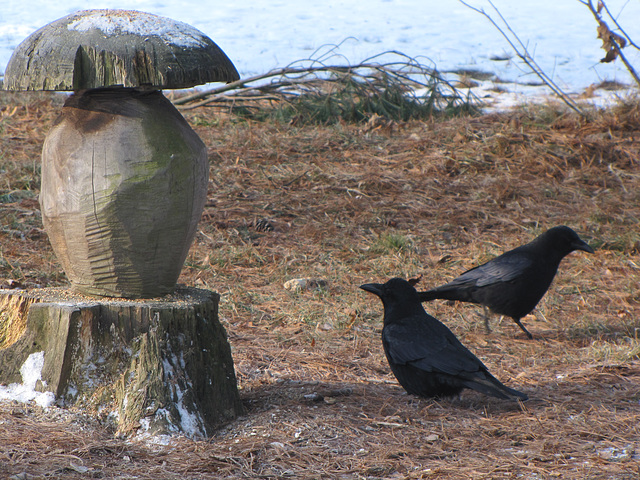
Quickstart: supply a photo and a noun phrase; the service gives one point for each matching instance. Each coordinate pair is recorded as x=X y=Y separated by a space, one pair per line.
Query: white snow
x=191 y=423
x=139 y=23
x=31 y=372
x=261 y=35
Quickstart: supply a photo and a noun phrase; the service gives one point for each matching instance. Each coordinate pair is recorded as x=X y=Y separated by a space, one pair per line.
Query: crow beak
x=582 y=246
x=375 y=288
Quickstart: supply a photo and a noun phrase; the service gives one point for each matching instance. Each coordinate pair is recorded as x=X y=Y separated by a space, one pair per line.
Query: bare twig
x=523 y=53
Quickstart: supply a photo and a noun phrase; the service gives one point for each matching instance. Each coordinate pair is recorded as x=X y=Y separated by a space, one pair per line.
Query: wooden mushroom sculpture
x=124 y=177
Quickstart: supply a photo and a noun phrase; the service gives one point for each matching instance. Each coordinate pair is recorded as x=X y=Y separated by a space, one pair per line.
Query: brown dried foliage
x=350 y=205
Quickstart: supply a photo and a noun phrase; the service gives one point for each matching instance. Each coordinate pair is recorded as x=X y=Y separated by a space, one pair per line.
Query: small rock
x=78 y=468
x=297 y=284
x=324 y=326
x=8 y=284
x=314 y=397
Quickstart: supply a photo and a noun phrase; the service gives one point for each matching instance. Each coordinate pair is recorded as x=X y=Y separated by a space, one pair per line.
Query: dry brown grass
x=350 y=206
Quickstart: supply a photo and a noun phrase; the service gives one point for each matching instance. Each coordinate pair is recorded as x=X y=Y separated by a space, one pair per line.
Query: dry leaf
x=609 y=57
x=611 y=42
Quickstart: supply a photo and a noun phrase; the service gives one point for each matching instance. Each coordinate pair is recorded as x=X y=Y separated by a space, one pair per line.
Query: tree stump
x=157 y=366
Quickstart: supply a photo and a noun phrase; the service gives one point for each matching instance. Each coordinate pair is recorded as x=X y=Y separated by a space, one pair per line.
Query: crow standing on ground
x=513 y=283
x=424 y=355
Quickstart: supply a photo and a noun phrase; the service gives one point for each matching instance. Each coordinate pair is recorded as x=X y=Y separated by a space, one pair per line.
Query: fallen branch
x=241 y=93
x=243 y=82
x=360 y=90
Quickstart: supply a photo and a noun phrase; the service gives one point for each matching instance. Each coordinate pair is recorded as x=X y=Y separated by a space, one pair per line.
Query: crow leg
x=517 y=320
x=486 y=319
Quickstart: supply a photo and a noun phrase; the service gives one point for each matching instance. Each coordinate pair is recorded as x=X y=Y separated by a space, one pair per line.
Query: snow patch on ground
x=503 y=97
x=261 y=35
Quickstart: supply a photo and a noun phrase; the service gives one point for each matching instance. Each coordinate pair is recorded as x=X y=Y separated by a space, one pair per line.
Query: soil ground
x=350 y=204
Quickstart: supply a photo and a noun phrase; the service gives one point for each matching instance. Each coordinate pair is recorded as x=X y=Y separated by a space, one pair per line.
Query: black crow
x=424 y=355
x=513 y=283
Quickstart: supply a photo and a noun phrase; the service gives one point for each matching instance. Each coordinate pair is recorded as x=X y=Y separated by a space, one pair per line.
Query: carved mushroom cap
x=102 y=48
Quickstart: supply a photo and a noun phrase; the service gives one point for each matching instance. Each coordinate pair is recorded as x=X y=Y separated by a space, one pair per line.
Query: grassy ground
x=350 y=204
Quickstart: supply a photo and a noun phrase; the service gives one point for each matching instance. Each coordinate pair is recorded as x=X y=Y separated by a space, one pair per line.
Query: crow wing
x=504 y=268
x=432 y=348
